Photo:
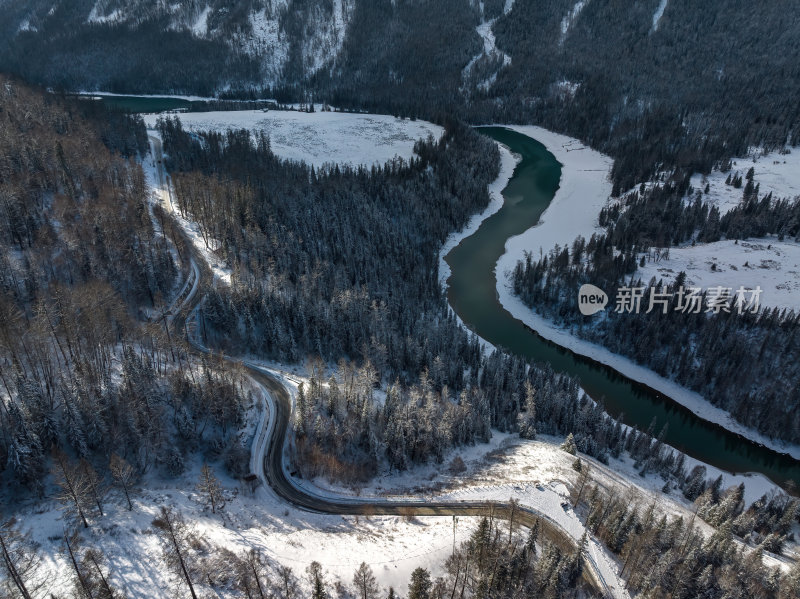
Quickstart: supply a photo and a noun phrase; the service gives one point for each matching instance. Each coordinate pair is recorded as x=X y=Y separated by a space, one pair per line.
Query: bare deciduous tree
x=124 y=476
x=365 y=583
x=210 y=488
x=174 y=534
x=75 y=493
x=19 y=562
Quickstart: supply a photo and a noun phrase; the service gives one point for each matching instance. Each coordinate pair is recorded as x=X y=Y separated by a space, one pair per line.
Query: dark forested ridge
x=708 y=81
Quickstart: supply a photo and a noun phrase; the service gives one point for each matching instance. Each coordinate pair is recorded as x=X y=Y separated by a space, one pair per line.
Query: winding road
x=182 y=315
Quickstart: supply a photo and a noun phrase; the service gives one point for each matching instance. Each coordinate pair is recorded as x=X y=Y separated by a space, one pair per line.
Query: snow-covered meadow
x=769 y=263
x=319 y=138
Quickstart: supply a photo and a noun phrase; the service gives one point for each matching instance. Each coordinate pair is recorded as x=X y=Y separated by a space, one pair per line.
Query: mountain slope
x=651 y=83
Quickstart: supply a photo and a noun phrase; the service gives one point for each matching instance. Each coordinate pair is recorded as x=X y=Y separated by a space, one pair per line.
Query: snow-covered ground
x=320 y=138
x=774 y=172
x=768 y=263
x=173 y=96
x=540 y=475
x=772 y=265
x=162 y=193
x=392 y=546
x=584 y=190
x=262 y=31
x=570 y=18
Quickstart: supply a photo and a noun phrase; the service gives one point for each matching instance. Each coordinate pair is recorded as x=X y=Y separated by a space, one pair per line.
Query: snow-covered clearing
x=662 y=6
x=392 y=546
x=539 y=474
x=162 y=193
x=172 y=96
x=772 y=265
x=320 y=138
x=775 y=173
x=200 y=27
x=97 y=16
x=583 y=191
x=768 y=263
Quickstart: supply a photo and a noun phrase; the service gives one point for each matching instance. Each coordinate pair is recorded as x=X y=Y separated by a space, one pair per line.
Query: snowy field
x=392 y=546
x=320 y=138
x=775 y=172
x=767 y=263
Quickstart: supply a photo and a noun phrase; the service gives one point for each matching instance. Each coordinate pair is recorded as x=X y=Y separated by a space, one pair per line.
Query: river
x=472 y=294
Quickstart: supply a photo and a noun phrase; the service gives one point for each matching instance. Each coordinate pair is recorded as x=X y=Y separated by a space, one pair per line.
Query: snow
x=323 y=31
x=162 y=193
x=96 y=16
x=200 y=27
x=570 y=18
x=584 y=190
x=535 y=472
x=774 y=172
x=662 y=6
x=490 y=49
x=392 y=546
x=320 y=138
x=767 y=263
x=171 y=96
x=574 y=210
x=266 y=39
x=26 y=26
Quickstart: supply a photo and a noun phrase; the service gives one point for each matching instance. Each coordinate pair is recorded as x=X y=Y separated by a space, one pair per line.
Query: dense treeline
x=732 y=359
x=82 y=372
x=505 y=561
x=665 y=556
x=62 y=50
x=344 y=433
x=710 y=81
x=334 y=262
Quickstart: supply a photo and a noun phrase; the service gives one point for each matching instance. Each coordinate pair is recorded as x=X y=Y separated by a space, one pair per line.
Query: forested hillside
x=652 y=83
x=84 y=372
